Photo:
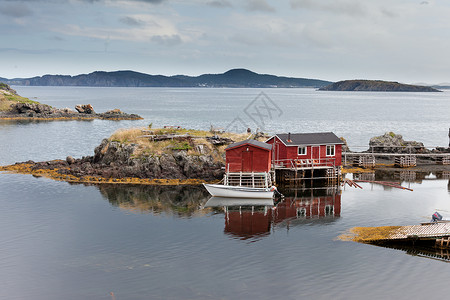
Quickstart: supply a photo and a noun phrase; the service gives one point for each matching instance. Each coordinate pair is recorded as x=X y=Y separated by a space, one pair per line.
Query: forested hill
x=234 y=78
x=375 y=86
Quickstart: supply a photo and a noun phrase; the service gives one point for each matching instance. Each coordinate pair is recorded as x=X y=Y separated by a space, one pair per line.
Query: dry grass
x=5 y=105
x=148 y=147
x=6 y=99
x=369 y=234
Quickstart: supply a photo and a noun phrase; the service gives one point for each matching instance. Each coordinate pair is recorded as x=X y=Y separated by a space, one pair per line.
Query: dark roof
x=319 y=138
x=250 y=142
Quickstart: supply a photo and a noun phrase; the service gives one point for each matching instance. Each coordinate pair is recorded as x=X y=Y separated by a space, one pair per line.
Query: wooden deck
x=423 y=231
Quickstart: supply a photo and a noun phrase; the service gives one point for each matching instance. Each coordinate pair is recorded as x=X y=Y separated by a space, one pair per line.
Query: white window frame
x=305 y=150
x=333 y=147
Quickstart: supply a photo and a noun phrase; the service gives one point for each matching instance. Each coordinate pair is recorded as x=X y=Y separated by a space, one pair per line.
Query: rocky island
x=375 y=86
x=166 y=156
x=173 y=156
x=15 y=107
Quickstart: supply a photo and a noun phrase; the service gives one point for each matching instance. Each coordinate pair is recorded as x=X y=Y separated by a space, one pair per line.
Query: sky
x=397 y=40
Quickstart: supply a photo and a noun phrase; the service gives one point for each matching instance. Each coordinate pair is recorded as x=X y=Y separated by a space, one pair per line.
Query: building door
x=247 y=161
x=316 y=154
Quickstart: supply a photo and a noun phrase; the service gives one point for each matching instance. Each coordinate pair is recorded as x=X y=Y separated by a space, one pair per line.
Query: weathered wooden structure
x=444 y=160
x=297 y=157
x=248 y=156
x=364 y=161
x=248 y=163
x=405 y=161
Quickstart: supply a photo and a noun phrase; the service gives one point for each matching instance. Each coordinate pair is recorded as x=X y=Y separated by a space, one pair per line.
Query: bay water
x=74 y=241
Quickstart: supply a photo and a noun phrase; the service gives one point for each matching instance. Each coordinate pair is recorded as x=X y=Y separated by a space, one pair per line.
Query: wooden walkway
x=423 y=231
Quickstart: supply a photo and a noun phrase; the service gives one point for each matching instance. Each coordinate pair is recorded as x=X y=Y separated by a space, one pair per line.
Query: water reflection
x=425 y=252
x=180 y=201
x=254 y=218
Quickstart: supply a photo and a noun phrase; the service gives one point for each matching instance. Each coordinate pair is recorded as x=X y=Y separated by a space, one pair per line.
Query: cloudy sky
x=401 y=40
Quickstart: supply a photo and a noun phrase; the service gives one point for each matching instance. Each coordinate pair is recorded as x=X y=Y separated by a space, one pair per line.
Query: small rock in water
x=85 y=109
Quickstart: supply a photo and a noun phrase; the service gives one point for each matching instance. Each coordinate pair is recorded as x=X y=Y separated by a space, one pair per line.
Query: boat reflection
x=254 y=218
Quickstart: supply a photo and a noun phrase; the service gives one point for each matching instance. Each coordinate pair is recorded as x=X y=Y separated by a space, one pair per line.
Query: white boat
x=231 y=191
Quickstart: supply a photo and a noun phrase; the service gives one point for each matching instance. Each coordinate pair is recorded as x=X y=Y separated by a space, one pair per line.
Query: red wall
x=256 y=159
x=283 y=152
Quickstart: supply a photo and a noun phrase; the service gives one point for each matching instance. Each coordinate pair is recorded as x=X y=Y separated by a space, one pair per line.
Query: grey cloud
x=349 y=7
x=88 y=1
x=167 y=40
x=259 y=5
x=221 y=3
x=15 y=10
x=130 y=21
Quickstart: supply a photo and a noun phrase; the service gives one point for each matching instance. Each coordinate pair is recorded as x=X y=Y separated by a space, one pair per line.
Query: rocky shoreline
x=37 y=111
x=129 y=157
x=15 y=107
x=123 y=163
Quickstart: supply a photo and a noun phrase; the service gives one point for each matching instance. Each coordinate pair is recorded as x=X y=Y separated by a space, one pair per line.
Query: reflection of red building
x=252 y=221
x=248 y=221
x=319 y=207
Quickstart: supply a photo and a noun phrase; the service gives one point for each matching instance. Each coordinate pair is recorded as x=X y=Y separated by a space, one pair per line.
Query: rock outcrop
x=46 y=112
x=85 y=109
x=394 y=143
x=114 y=160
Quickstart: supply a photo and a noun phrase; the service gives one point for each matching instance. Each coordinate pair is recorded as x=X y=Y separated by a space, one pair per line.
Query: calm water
x=355 y=116
x=63 y=241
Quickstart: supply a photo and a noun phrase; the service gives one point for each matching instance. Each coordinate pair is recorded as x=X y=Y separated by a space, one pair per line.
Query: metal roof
x=319 y=138
x=250 y=142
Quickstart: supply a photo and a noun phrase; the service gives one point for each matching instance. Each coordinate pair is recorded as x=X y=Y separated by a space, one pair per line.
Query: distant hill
x=375 y=86
x=241 y=78
x=246 y=78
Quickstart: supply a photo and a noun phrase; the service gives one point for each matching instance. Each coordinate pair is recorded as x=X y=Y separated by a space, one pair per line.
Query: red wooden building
x=248 y=156
x=306 y=150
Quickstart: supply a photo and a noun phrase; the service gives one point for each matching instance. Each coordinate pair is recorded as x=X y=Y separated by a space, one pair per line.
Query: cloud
x=15 y=10
x=348 y=7
x=259 y=5
x=133 y=22
x=167 y=40
x=219 y=3
x=88 y=1
x=142 y=28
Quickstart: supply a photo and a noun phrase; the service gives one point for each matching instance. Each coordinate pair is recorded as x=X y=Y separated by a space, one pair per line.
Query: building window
x=301 y=150
x=330 y=150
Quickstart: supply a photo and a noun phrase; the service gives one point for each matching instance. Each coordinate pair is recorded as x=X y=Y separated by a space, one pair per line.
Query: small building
x=248 y=156
x=248 y=163
x=306 y=150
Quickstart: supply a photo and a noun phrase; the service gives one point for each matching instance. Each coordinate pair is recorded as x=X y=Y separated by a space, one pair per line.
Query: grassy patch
x=7 y=98
x=147 y=147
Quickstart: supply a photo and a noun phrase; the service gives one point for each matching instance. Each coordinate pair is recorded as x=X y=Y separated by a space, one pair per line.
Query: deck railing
x=304 y=163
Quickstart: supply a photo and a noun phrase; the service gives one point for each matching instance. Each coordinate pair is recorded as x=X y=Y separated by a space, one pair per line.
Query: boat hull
x=228 y=191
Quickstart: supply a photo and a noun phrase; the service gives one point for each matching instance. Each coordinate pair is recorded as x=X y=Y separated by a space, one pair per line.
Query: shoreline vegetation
x=15 y=107
x=178 y=156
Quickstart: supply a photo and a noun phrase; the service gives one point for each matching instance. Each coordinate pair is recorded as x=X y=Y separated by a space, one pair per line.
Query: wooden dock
x=422 y=231
x=427 y=232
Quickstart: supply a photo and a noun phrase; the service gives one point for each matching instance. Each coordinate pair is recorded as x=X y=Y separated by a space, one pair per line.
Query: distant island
x=235 y=78
x=375 y=86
